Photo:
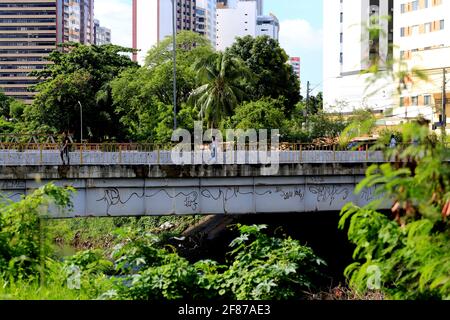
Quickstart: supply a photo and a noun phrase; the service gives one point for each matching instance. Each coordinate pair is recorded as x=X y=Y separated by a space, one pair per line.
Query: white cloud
x=300 y=39
x=298 y=36
x=116 y=15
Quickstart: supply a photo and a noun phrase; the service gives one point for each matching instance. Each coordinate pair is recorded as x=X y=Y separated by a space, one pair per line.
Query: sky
x=300 y=31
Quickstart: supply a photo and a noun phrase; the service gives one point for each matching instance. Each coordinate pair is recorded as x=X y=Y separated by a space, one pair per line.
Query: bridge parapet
x=133 y=154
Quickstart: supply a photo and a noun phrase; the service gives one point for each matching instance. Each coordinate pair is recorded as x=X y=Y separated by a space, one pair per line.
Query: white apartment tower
x=422 y=39
x=239 y=18
x=206 y=19
x=234 y=22
x=419 y=33
x=347 y=52
x=153 y=21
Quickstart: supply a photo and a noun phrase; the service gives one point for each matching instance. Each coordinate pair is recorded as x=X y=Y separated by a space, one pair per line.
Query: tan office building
x=30 y=30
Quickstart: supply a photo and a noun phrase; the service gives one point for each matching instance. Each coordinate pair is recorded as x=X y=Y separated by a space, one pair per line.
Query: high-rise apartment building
x=153 y=21
x=29 y=31
x=206 y=19
x=268 y=26
x=422 y=41
x=102 y=35
x=295 y=63
x=348 y=50
x=77 y=17
x=235 y=21
x=241 y=18
x=417 y=36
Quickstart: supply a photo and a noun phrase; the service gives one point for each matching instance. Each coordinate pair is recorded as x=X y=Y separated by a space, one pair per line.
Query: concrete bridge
x=131 y=184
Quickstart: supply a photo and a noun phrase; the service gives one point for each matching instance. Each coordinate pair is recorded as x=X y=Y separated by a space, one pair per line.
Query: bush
x=261 y=268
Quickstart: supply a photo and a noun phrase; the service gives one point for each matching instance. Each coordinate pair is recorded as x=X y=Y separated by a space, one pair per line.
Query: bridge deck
x=138 y=190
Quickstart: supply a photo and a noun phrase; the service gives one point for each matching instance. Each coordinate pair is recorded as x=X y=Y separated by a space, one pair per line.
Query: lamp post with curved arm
x=81 y=120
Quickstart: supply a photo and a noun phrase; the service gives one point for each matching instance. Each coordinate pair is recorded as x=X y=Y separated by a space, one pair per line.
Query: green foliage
x=262 y=268
x=306 y=126
x=22 y=243
x=411 y=251
x=190 y=46
x=274 y=77
x=221 y=77
x=6 y=126
x=16 y=109
x=80 y=74
x=266 y=268
x=362 y=123
x=5 y=101
x=91 y=261
x=266 y=113
x=11 y=112
x=143 y=98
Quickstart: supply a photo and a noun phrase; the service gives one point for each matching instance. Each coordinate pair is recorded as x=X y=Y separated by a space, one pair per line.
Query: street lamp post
x=81 y=125
x=174 y=46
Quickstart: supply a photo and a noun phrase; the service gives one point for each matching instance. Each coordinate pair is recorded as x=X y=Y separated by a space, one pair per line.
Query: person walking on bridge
x=65 y=148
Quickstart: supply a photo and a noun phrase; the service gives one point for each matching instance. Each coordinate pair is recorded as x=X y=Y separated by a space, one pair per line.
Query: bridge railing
x=152 y=154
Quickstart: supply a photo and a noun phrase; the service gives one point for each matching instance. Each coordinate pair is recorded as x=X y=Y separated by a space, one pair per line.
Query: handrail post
x=158 y=155
x=334 y=153
x=81 y=154
x=301 y=153
x=367 y=153
x=120 y=154
x=40 y=154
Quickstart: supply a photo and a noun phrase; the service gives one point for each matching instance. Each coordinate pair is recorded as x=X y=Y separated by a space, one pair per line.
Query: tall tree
x=143 y=97
x=80 y=75
x=269 y=62
x=221 y=77
x=190 y=46
x=267 y=113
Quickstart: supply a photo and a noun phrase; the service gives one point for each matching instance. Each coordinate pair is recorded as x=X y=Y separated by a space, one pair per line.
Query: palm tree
x=221 y=76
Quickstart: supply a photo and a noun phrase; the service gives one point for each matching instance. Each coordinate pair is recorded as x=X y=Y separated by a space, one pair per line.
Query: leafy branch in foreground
x=411 y=248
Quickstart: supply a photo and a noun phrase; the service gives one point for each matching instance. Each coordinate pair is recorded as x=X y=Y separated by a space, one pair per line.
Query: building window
x=402 y=32
x=427 y=100
x=441 y=24
x=415 y=30
x=415 y=101
x=428 y=27
x=403 y=8
x=402 y=102
x=342 y=37
x=341 y=58
x=342 y=17
x=426 y=3
x=415 y=5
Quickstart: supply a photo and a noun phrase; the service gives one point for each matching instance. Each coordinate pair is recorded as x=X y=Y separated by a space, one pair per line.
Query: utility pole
x=308 y=93
x=174 y=45
x=444 y=100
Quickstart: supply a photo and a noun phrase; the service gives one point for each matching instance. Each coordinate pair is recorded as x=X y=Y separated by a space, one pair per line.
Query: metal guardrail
x=22 y=154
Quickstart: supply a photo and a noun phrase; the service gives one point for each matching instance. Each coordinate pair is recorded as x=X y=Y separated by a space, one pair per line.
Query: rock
x=166 y=226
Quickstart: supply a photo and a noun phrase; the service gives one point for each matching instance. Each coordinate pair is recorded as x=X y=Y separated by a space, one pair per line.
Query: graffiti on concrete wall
x=223 y=197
